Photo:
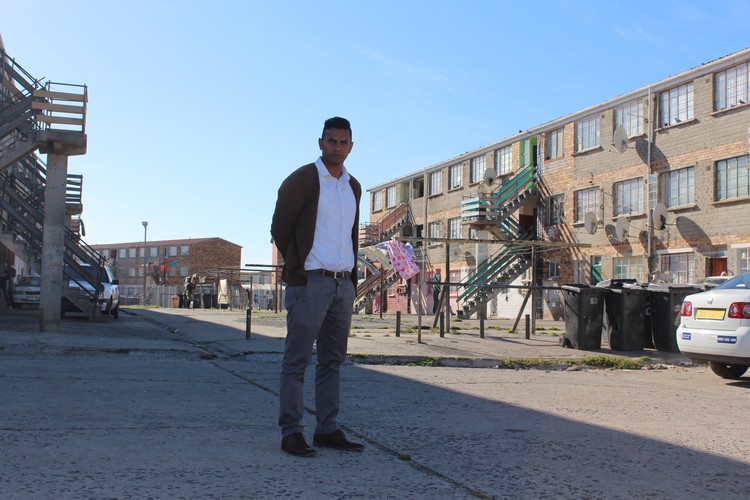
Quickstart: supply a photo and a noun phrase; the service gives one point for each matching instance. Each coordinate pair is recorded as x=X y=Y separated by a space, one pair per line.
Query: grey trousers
x=321 y=313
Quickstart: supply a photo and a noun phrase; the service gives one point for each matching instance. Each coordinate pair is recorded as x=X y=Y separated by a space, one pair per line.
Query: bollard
x=398 y=323
x=41 y=320
x=481 y=322
x=442 y=324
x=248 y=322
x=528 y=327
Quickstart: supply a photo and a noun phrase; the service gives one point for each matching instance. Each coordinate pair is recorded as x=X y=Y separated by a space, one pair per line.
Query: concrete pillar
x=53 y=245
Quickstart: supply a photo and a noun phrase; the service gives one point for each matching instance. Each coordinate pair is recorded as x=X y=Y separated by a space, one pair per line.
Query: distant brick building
x=168 y=262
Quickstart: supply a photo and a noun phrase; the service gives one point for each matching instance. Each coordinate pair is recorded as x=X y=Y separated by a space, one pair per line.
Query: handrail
x=391 y=218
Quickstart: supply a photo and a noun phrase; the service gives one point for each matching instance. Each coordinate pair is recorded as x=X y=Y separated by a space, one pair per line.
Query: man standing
x=315 y=227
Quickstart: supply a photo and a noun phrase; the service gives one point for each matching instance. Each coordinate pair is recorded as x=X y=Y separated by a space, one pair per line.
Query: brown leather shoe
x=295 y=444
x=336 y=440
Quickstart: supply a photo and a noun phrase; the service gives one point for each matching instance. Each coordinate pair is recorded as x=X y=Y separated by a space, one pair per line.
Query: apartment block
x=651 y=185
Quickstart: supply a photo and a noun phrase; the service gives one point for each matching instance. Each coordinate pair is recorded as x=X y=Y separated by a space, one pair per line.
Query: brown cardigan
x=293 y=224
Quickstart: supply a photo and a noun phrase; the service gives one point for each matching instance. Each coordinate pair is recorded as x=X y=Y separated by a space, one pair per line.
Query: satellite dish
x=621 y=228
x=659 y=217
x=620 y=139
x=590 y=222
x=489 y=176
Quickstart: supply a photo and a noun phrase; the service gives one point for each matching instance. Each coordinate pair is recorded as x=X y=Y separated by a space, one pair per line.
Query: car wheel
x=108 y=309
x=726 y=370
x=116 y=311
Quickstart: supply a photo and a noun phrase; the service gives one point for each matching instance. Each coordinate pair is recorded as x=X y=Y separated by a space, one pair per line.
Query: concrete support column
x=53 y=246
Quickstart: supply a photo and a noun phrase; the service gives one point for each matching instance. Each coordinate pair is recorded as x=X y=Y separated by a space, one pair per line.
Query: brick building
x=592 y=182
x=168 y=262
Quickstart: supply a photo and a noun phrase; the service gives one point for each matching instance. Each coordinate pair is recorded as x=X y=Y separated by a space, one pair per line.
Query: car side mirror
x=115 y=281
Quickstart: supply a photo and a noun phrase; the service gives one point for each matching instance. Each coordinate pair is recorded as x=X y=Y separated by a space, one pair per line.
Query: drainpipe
x=651 y=203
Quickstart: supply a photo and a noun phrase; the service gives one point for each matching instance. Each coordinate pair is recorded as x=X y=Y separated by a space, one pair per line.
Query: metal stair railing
x=368 y=289
x=492 y=268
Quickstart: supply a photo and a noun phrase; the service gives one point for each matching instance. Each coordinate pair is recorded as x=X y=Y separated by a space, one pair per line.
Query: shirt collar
x=323 y=171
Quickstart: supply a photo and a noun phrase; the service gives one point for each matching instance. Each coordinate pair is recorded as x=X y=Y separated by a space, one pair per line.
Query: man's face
x=335 y=146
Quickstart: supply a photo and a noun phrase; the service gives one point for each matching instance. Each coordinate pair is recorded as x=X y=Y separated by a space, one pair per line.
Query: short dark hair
x=337 y=122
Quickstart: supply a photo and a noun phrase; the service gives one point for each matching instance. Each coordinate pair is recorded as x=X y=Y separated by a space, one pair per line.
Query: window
x=630 y=117
x=141 y=252
x=587 y=200
x=553 y=270
x=131 y=253
x=676 y=105
x=587 y=134
x=743 y=258
x=154 y=252
x=504 y=160
x=731 y=87
x=131 y=272
x=184 y=250
x=173 y=251
x=679 y=265
x=436 y=182
x=732 y=178
x=554 y=143
x=478 y=166
x=628 y=197
x=105 y=254
x=390 y=197
x=454 y=228
x=377 y=201
x=183 y=271
x=172 y=271
x=122 y=253
x=434 y=230
x=628 y=267
x=454 y=175
x=678 y=187
x=556 y=212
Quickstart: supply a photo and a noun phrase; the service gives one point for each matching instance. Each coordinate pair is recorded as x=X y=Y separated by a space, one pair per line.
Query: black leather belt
x=337 y=275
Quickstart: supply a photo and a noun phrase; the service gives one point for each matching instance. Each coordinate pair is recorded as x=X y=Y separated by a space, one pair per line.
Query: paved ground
x=178 y=404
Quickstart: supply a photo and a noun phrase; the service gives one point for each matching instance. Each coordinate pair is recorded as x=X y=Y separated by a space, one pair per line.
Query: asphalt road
x=179 y=405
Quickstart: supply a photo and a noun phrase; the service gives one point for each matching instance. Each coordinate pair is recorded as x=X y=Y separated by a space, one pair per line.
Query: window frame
x=734 y=184
x=554 y=143
x=732 y=87
x=455 y=176
x=377 y=201
x=623 y=193
x=436 y=183
x=477 y=169
x=677 y=105
x=580 y=205
x=390 y=197
x=588 y=133
x=668 y=179
x=504 y=160
x=632 y=122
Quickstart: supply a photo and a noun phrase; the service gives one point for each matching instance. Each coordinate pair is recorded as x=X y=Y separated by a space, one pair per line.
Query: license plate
x=709 y=314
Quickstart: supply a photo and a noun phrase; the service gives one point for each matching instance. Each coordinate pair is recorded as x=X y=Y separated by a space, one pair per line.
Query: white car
x=110 y=297
x=715 y=327
x=28 y=291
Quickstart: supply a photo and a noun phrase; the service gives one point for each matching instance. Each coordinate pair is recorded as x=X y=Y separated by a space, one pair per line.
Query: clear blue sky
x=198 y=110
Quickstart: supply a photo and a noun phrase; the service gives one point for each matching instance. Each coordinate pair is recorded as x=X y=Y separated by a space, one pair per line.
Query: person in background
x=5 y=279
x=315 y=227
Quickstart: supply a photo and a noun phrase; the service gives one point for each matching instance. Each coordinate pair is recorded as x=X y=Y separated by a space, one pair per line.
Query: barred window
x=454 y=174
x=630 y=117
x=184 y=250
x=478 y=166
x=628 y=197
x=743 y=258
x=731 y=87
x=587 y=133
x=504 y=160
x=676 y=105
x=554 y=143
x=436 y=182
x=678 y=187
x=586 y=200
x=732 y=178
x=435 y=230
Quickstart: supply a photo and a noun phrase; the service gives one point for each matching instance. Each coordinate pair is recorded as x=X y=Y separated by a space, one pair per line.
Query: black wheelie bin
x=584 y=308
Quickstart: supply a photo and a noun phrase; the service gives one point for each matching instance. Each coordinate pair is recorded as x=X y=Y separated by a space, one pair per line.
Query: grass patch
x=609 y=362
x=429 y=361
